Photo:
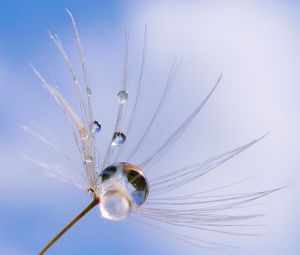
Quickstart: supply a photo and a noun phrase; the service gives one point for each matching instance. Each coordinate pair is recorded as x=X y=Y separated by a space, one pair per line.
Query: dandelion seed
x=120 y=188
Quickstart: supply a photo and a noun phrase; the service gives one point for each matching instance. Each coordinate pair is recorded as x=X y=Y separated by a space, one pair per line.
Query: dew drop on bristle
x=83 y=134
x=122 y=96
x=123 y=188
x=96 y=127
x=91 y=192
x=118 y=139
x=88 y=160
x=89 y=92
x=114 y=206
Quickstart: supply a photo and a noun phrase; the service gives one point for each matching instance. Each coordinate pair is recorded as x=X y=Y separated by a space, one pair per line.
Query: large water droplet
x=122 y=95
x=118 y=139
x=123 y=187
x=96 y=127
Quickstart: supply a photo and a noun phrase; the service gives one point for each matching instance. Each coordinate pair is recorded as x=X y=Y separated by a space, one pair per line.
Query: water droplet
x=118 y=139
x=88 y=160
x=91 y=192
x=123 y=95
x=123 y=187
x=96 y=127
x=89 y=92
x=114 y=206
x=83 y=133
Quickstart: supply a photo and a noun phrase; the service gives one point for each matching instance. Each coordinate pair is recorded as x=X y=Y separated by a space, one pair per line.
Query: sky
x=253 y=44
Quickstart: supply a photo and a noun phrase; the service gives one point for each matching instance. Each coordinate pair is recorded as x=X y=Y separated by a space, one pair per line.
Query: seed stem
x=66 y=228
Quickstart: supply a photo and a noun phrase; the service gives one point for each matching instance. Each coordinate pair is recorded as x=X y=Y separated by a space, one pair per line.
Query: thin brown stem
x=66 y=228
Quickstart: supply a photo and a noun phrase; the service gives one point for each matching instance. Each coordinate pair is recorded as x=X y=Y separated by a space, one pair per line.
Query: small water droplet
x=91 y=192
x=123 y=95
x=114 y=206
x=89 y=92
x=83 y=134
x=88 y=160
x=118 y=139
x=96 y=127
x=124 y=187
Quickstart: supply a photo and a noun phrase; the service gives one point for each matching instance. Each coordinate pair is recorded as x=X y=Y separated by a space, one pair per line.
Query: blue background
x=255 y=44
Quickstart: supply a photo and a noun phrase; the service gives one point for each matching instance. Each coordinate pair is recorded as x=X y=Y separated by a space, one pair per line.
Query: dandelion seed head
x=120 y=188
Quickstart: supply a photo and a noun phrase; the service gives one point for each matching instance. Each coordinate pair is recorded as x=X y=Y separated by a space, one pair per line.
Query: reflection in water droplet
x=118 y=139
x=96 y=127
x=123 y=188
x=123 y=95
